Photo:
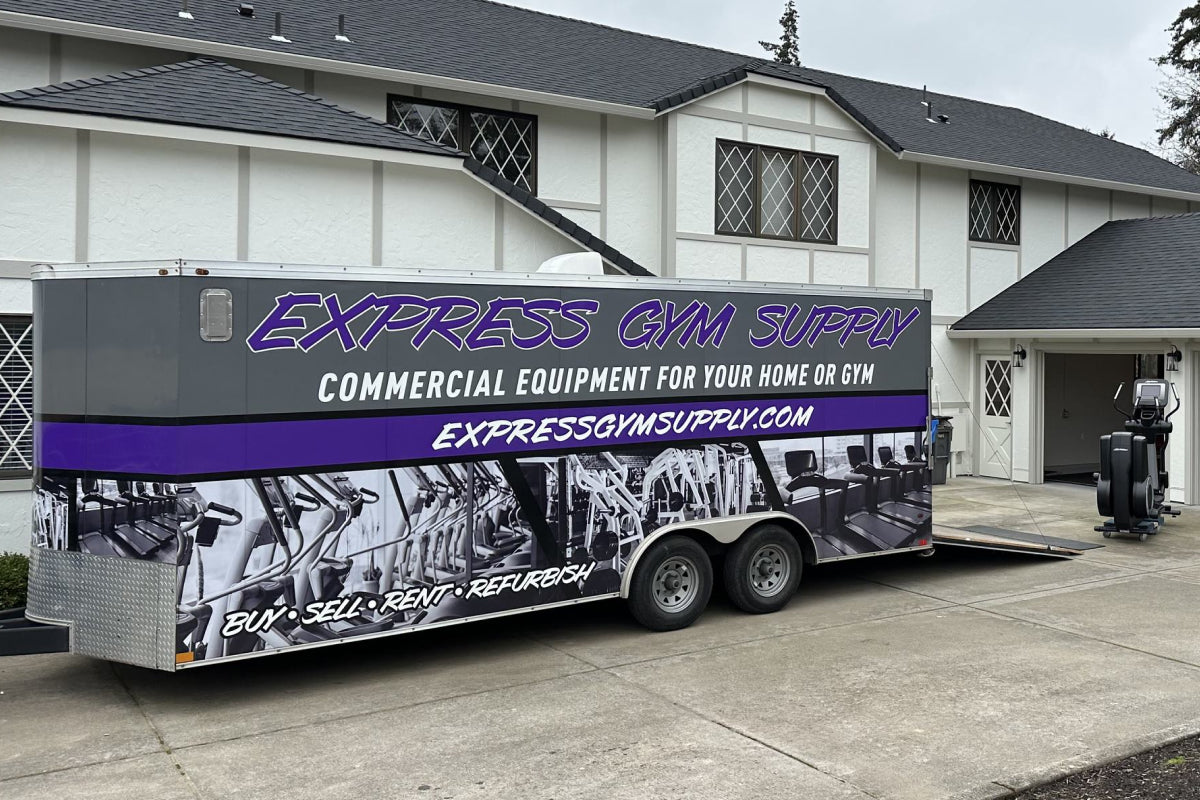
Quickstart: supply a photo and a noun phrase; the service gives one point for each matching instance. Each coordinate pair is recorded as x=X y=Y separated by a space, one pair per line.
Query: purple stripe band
x=178 y=450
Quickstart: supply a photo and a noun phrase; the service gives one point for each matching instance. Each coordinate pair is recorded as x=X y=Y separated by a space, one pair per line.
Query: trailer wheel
x=762 y=569
x=671 y=587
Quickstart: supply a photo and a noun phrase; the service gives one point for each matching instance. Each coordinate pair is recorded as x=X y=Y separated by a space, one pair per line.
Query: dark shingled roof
x=1098 y=281
x=571 y=229
x=210 y=94
x=486 y=42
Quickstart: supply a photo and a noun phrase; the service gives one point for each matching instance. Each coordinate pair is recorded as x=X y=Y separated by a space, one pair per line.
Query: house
x=225 y=130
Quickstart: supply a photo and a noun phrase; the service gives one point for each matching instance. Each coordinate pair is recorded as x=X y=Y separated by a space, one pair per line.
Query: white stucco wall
x=24 y=59
x=151 y=198
x=992 y=271
x=1129 y=206
x=842 y=269
x=291 y=76
x=436 y=218
x=1087 y=210
x=779 y=103
x=1164 y=206
x=309 y=209
x=364 y=95
x=854 y=188
x=588 y=220
x=91 y=58
x=16 y=296
x=727 y=99
x=696 y=173
x=896 y=222
x=633 y=206
x=37 y=193
x=777 y=137
x=16 y=519
x=782 y=264
x=943 y=232
x=708 y=260
x=528 y=241
x=830 y=116
x=1043 y=223
x=568 y=165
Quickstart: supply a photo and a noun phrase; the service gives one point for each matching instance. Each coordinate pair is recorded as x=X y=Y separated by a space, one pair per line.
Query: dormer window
x=772 y=193
x=503 y=140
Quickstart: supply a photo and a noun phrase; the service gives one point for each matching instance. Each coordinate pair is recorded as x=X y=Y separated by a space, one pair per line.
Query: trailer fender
x=724 y=531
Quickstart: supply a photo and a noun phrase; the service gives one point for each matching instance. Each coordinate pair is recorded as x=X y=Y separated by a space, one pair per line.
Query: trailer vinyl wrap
x=389 y=450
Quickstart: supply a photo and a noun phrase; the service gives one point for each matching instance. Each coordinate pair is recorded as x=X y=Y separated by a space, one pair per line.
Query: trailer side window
x=771 y=193
x=16 y=396
x=995 y=212
x=503 y=140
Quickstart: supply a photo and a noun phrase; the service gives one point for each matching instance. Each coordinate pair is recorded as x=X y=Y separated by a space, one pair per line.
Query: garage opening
x=1078 y=408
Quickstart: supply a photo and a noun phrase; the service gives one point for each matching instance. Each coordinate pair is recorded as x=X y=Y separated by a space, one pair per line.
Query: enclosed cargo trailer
x=238 y=459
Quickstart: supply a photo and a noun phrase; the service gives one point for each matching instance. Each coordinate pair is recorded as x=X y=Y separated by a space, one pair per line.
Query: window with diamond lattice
x=505 y=141
x=997 y=387
x=16 y=396
x=775 y=194
x=995 y=213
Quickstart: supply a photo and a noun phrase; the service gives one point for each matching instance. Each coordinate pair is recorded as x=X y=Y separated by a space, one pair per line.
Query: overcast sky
x=1083 y=62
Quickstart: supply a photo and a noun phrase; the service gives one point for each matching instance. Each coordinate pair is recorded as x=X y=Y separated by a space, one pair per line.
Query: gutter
x=1095 y=334
x=186 y=45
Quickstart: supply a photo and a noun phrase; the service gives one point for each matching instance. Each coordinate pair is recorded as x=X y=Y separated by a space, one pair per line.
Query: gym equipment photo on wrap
x=257 y=458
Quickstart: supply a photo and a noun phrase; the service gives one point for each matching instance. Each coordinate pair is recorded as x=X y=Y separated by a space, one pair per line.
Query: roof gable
x=1094 y=283
x=207 y=93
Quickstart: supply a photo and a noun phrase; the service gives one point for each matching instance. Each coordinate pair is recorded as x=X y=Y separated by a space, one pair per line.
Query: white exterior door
x=995 y=392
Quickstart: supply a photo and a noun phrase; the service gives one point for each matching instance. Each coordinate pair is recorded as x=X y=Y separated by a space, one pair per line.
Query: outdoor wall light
x=1173 y=359
x=1019 y=356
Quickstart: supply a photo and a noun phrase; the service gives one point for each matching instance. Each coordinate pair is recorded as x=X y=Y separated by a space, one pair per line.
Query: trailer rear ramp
x=994 y=539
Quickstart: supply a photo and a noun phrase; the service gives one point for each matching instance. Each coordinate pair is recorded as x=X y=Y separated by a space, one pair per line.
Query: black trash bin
x=941 y=449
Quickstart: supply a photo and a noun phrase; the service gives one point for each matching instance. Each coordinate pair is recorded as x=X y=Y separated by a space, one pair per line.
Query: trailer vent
x=216 y=315
x=16 y=396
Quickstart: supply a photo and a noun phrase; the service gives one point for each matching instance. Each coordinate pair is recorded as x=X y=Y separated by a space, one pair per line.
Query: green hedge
x=14 y=578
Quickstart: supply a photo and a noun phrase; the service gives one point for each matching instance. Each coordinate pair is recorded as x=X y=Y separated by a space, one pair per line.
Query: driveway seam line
x=374 y=711
x=1052 y=627
x=736 y=731
x=166 y=748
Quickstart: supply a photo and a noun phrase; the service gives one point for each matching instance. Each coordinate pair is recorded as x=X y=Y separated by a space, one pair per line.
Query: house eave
x=222 y=136
x=1084 y=334
x=1057 y=177
x=33 y=22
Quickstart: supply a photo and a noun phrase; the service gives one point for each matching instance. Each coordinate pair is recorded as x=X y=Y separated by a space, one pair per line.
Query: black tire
x=681 y=572
x=763 y=569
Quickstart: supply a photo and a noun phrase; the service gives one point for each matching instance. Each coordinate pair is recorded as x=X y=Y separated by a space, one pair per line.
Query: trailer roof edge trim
x=234 y=269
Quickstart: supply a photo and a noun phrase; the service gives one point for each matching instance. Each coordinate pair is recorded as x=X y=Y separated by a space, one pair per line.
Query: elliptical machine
x=1132 y=484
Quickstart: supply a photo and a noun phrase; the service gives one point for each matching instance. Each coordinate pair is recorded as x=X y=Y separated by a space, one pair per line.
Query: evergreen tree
x=787 y=51
x=1179 y=137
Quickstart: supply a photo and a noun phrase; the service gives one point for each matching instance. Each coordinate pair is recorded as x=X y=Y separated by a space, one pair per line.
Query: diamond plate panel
x=119 y=609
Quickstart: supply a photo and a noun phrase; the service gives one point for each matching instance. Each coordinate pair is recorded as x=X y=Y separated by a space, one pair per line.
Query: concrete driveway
x=963 y=675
